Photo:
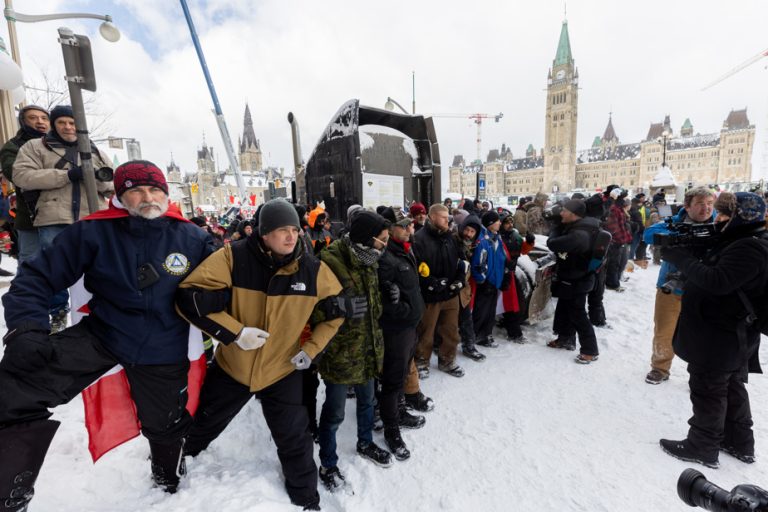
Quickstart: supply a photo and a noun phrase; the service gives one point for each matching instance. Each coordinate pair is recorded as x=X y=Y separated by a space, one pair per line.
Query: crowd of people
x=292 y=299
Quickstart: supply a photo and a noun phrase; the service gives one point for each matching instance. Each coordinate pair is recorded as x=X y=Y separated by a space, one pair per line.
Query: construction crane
x=478 y=120
x=732 y=72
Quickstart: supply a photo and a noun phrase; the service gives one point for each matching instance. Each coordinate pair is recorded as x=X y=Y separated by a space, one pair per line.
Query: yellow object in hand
x=423 y=269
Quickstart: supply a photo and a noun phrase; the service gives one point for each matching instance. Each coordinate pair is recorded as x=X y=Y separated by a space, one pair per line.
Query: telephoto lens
x=104 y=174
x=696 y=491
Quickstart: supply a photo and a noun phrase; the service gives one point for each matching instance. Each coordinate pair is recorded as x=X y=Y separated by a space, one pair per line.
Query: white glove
x=301 y=360
x=251 y=338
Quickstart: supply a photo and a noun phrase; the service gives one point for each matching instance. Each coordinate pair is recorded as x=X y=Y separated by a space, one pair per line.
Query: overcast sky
x=639 y=60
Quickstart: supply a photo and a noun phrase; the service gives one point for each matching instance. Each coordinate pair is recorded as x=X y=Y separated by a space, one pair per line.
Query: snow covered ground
x=526 y=430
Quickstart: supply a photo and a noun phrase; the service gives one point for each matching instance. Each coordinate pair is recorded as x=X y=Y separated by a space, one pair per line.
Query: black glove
x=75 y=173
x=456 y=286
x=392 y=291
x=27 y=351
x=530 y=238
x=352 y=307
x=437 y=285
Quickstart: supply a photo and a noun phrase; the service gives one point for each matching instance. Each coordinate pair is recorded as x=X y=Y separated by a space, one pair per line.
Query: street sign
x=481 y=185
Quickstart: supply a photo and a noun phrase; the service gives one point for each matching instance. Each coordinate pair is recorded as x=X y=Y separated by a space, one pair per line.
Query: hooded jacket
x=489 y=259
x=572 y=245
x=276 y=296
x=466 y=248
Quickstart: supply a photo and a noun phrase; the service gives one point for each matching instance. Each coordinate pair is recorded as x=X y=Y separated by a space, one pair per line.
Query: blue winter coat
x=661 y=227
x=136 y=326
x=496 y=258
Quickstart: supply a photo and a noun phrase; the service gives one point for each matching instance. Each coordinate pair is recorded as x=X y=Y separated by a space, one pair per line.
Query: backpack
x=757 y=312
x=601 y=240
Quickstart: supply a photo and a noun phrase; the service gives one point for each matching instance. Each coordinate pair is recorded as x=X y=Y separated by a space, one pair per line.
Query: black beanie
x=277 y=213
x=366 y=225
x=576 y=206
x=60 y=111
x=490 y=217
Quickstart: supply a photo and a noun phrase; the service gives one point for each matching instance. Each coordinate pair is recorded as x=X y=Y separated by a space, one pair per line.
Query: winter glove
x=27 y=351
x=456 y=286
x=352 y=307
x=392 y=291
x=75 y=173
x=530 y=238
x=301 y=361
x=437 y=285
x=251 y=338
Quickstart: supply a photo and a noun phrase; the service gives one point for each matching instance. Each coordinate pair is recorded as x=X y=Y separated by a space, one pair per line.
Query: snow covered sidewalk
x=526 y=430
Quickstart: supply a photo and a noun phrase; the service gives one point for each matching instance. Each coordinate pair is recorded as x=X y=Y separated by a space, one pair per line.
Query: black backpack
x=757 y=310
x=601 y=240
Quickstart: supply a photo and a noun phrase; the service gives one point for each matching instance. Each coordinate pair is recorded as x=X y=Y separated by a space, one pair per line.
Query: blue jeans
x=332 y=416
x=46 y=234
x=29 y=243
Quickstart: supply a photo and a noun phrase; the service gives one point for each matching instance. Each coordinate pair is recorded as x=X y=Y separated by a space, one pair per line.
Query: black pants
x=616 y=263
x=399 y=347
x=466 y=328
x=595 y=299
x=512 y=324
x=75 y=359
x=310 y=383
x=571 y=318
x=221 y=399
x=721 y=412
x=484 y=312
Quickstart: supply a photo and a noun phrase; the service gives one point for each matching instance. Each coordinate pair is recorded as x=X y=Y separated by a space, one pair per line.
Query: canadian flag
x=110 y=414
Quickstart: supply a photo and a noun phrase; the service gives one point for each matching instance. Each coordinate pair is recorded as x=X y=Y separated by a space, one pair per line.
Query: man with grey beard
x=132 y=256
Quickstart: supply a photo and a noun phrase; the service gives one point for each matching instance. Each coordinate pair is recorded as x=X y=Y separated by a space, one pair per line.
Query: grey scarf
x=367 y=255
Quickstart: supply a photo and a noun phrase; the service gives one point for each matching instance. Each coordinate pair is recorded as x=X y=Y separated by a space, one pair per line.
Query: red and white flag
x=110 y=414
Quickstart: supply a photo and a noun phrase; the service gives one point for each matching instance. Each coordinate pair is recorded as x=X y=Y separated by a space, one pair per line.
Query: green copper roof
x=687 y=123
x=598 y=140
x=530 y=148
x=563 y=55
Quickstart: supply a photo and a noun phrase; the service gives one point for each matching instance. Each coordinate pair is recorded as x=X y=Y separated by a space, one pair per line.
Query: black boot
x=167 y=465
x=22 y=452
x=396 y=444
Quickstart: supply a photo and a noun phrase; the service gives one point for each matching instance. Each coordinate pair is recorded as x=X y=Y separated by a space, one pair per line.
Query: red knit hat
x=138 y=173
x=418 y=209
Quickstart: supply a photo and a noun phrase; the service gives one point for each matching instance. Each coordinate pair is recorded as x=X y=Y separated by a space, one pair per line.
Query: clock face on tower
x=560 y=74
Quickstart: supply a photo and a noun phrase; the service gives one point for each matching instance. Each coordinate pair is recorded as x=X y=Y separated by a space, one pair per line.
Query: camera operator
x=698 y=208
x=713 y=336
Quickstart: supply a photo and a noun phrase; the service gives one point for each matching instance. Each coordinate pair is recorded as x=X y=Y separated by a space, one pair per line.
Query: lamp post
x=107 y=29
x=663 y=140
x=391 y=103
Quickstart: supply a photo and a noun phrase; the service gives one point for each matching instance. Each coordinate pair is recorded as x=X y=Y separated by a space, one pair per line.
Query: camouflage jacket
x=355 y=354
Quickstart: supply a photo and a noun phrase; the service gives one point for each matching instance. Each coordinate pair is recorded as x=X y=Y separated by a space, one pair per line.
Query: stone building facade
x=694 y=159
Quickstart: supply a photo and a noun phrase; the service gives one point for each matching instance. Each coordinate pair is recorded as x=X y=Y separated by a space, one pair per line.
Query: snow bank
x=526 y=430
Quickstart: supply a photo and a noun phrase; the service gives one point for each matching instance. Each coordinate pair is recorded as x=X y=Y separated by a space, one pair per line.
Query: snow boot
x=167 y=465
x=422 y=367
x=396 y=444
x=419 y=402
x=408 y=420
x=682 y=450
x=488 y=341
x=375 y=454
x=59 y=321
x=331 y=478
x=520 y=339
x=451 y=369
x=567 y=343
x=22 y=452
x=746 y=458
x=473 y=353
x=378 y=425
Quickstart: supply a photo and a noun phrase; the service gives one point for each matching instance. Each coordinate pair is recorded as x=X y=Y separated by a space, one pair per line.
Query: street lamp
x=390 y=105
x=663 y=140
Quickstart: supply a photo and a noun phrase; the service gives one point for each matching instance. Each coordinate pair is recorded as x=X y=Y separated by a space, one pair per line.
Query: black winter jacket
x=441 y=255
x=707 y=334
x=136 y=326
x=572 y=245
x=399 y=268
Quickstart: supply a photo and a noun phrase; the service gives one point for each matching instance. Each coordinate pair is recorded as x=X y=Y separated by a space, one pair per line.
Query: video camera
x=683 y=234
x=696 y=491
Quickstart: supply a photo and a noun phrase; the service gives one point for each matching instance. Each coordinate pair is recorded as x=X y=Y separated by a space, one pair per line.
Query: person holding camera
x=131 y=257
x=715 y=333
x=48 y=170
x=697 y=209
x=572 y=241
